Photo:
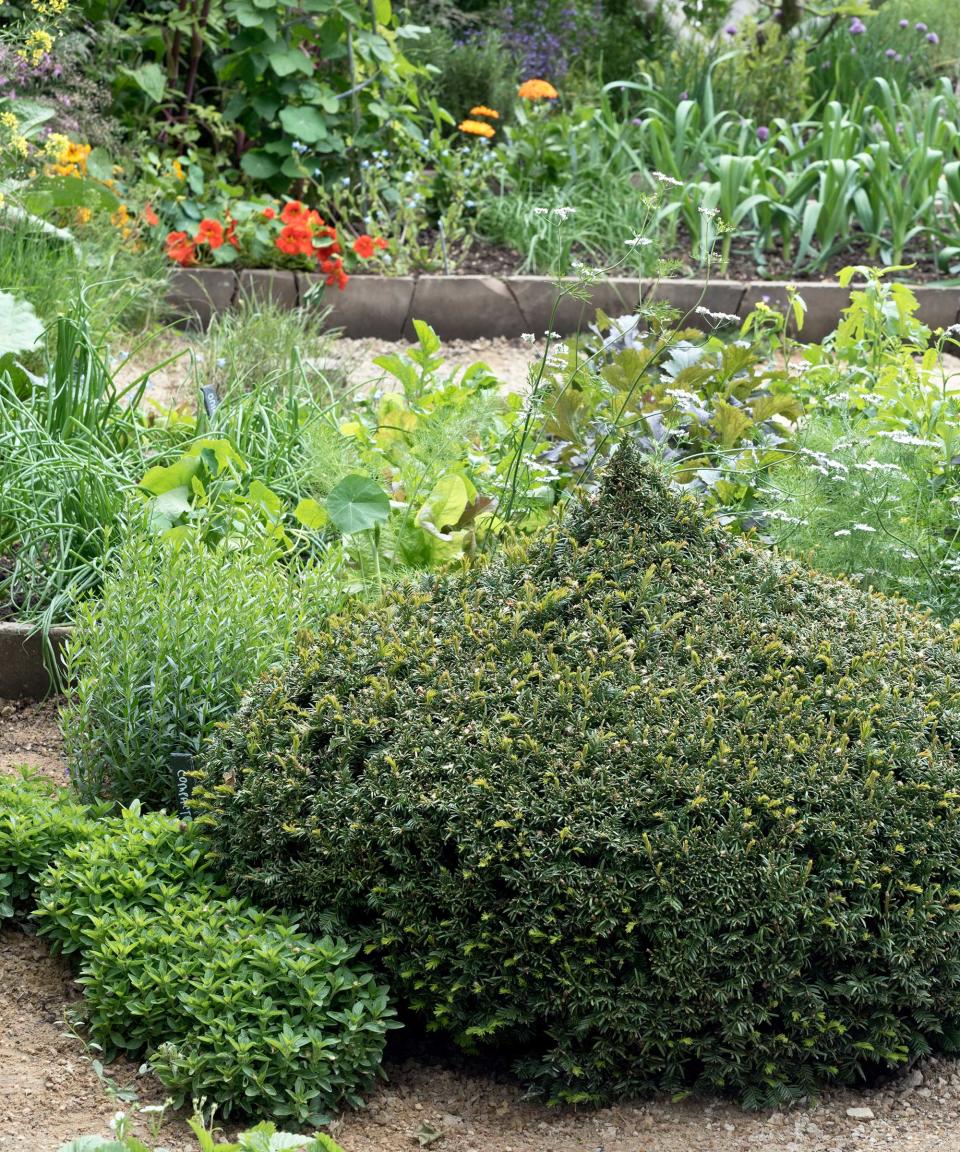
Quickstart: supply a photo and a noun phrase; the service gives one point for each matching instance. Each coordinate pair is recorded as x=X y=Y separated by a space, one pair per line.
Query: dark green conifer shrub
x=645 y=805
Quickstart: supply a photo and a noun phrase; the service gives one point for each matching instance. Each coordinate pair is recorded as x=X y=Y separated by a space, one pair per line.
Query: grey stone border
x=470 y=307
x=22 y=670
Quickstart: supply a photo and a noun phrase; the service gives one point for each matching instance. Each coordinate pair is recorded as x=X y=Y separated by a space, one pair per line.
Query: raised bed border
x=22 y=670
x=473 y=307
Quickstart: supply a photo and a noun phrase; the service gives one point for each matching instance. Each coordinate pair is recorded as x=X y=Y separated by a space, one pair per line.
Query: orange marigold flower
x=477 y=128
x=180 y=248
x=210 y=232
x=483 y=110
x=150 y=216
x=537 y=90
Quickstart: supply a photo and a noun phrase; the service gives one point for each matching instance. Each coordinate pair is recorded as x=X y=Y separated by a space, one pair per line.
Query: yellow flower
x=483 y=110
x=178 y=170
x=537 y=90
x=83 y=215
x=38 y=43
x=8 y=120
x=122 y=221
x=55 y=144
x=477 y=128
x=71 y=157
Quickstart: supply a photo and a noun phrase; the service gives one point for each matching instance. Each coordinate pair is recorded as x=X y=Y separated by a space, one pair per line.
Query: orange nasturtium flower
x=483 y=110
x=150 y=215
x=180 y=248
x=366 y=246
x=477 y=128
x=537 y=90
x=210 y=232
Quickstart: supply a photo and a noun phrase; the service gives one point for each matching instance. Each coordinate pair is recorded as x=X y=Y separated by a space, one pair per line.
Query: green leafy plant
x=549 y=790
x=232 y=1004
x=180 y=631
x=37 y=821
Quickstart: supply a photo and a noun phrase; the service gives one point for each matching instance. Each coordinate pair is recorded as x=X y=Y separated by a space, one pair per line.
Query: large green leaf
x=259 y=165
x=30 y=114
x=19 y=327
x=304 y=122
x=149 y=78
x=446 y=503
x=356 y=504
x=52 y=192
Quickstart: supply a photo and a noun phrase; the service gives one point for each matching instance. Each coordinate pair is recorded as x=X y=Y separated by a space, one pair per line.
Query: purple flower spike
x=763 y=133
x=857 y=26
x=933 y=38
x=920 y=26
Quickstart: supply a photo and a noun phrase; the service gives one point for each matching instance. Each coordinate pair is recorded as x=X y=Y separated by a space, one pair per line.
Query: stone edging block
x=272 y=285
x=197 y=293
x=22 y=672
x=376 y=306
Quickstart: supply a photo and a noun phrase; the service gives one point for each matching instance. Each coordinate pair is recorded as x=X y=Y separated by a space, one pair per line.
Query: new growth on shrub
x=643 y=805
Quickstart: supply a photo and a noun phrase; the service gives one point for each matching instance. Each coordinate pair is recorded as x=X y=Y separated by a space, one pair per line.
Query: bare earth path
x=49 y=1092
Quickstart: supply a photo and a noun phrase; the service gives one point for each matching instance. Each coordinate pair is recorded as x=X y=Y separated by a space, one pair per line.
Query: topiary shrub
x=648 y=807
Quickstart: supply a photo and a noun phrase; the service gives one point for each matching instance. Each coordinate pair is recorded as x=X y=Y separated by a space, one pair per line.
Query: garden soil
x=50 y=1092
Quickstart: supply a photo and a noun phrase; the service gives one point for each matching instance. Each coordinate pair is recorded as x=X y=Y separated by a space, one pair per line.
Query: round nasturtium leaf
x=356 y=504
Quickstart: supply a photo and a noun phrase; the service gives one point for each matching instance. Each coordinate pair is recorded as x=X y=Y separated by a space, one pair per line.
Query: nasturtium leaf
x=259 y=165
x=304 y=122
x=382 y=11
x=20 y=328
x=356 y=504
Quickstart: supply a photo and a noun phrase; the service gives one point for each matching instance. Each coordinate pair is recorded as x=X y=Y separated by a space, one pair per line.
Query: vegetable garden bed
x=467 y=307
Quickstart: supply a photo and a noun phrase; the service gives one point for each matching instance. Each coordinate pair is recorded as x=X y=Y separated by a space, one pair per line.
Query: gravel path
x=49 y=1091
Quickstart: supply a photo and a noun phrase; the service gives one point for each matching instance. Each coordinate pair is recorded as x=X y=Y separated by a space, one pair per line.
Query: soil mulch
x=484 y=258
x=49 y=1091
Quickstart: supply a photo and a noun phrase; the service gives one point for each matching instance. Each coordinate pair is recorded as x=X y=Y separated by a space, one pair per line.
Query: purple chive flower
x=890 y=54
x=933 y=38
x=731 y=29
x=684 y=96
x=898 y=59
x=904 y=23
x=857 y=26
x=763 y=133
x=920 y=26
